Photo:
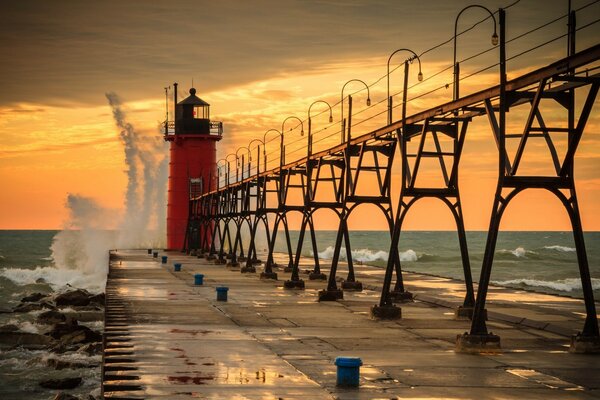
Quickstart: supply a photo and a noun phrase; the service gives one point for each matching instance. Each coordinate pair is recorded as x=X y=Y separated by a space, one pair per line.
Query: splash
x=561 y=285
x=366 y=255
x=562 y=249
x=144 y=222
x=519 y=252
x=80 y=250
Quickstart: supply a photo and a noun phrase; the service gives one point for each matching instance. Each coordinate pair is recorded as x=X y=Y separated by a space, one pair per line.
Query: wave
x=366 y=255
x=561 y=285
x=562 y=249
x=57 y=278
x=25 y=326
x=519 y=252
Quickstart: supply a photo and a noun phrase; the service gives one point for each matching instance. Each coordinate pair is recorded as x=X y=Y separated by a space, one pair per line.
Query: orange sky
x=58 y=145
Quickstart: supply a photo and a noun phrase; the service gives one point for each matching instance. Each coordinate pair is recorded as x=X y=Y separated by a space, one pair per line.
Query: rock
x=32 y=298
x=62 y=364
x=9 y=328
x=61 y=329
x=91 y=349
x=23 y=308
x=51 y=317
x=40 y=280
x=25 y=339
x=84 y=315
x=64 y=383
x=73 y=334
x=65 y=396
x=78 y=297
x=98 y=299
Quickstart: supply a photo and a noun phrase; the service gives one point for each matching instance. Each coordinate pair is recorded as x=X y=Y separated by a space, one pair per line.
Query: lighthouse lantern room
x=193 y=137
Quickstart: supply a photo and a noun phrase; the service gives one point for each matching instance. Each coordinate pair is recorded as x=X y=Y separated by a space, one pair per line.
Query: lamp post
x=229 y=166
x=257 y=155
x=419 y=77
x=280 y=146
x=219 y=171
x=454 y=63
x=309 y=150
x=342 y=103
x=282 y=133
x=242 y=160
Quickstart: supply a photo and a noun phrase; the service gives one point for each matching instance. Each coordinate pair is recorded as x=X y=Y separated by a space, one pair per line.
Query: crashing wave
x=562 y=249
x=57 y=278
x=519 y=252
x=366 y=255
x=562 y=285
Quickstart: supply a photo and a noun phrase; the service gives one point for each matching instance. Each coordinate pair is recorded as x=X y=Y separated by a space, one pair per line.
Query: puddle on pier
x=228 y=376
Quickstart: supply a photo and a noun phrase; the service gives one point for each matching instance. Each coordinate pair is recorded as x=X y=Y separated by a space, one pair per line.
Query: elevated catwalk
x=166 y=338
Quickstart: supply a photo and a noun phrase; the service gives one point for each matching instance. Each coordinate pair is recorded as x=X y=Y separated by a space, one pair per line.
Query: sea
x=50 y=261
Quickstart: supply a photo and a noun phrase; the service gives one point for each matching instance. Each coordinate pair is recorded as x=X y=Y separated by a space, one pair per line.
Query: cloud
x=88 y=48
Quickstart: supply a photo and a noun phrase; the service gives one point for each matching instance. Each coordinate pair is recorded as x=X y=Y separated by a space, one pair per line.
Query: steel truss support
x=455 y=128
x=562 y=185
x=315 y=273
x=374 y=157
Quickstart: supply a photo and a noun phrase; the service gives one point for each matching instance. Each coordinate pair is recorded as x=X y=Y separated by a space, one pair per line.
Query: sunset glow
x=60 y=138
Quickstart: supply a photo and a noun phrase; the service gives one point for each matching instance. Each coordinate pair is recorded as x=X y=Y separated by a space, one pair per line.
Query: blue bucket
x=155 y=254
x=177 y=267
x=222 y=293
x=149 y=251
x=198 y=279
x=164 y=259
x=348 y=371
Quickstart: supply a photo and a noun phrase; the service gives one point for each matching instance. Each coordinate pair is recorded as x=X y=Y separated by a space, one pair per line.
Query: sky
x=257 y=63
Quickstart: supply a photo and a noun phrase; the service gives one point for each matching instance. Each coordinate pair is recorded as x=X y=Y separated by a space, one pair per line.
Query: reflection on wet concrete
x=271 y=343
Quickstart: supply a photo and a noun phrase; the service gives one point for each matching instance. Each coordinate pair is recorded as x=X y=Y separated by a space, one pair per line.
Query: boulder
x=98 y=299
x=65 y=396
x=63 y=383
x=25 y=339
x=32 y=298
x=9 y=328
x=91 y=349
x=51 y=317
x=61 y=329
x=62 y=364
x=27 y=307
x=78 y=297
x=74 y=334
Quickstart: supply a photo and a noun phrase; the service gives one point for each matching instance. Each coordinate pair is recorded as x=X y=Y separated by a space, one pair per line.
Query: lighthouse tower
x=193 y=137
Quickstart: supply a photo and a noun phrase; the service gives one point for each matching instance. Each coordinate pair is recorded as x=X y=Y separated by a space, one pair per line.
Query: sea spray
x=80 y=250
x=145 y=155
x=562 y=285
x=366 y=255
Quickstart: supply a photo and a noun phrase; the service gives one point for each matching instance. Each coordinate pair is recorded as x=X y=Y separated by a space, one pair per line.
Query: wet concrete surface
x=167 y=338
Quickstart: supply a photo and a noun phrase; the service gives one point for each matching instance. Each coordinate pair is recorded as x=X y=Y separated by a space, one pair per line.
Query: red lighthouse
x=193 y=160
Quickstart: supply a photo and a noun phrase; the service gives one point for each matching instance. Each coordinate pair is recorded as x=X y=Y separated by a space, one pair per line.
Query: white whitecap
x=562 y=249
x=366 y=255
x=57 y=278
x=519 y=252
x=561 y=285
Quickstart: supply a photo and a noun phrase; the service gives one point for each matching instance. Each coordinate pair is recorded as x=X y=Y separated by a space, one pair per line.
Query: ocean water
x=46 y=262
x=50 y=261
x=539 y=261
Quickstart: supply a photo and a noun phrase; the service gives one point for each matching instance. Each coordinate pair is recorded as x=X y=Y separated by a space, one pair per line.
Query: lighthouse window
x=201 y=112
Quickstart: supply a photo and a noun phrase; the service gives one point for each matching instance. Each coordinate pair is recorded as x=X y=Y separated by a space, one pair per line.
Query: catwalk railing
x=342 y=177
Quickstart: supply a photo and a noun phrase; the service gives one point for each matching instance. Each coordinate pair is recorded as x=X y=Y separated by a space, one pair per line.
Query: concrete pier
x=167 y=338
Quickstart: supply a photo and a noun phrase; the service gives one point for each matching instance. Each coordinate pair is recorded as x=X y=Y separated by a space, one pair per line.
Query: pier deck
x=166 y=338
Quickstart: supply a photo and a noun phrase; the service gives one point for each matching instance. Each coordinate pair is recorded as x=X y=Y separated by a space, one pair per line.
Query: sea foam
x=562 y=285
x=366 y=255
x=562 y=249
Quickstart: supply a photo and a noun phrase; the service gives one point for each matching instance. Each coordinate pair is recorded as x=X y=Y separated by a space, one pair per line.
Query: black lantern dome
x=192 y=115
